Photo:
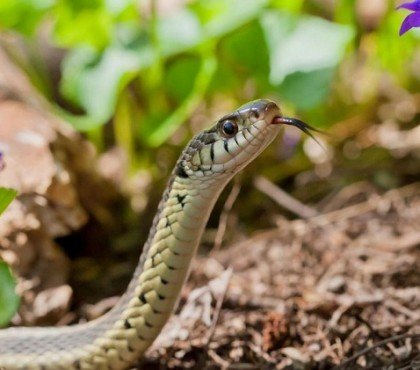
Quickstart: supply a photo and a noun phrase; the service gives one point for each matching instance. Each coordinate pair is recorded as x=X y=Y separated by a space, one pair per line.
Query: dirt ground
x=337 y=291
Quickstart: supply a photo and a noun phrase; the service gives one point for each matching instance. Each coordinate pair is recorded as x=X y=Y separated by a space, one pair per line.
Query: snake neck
x=163 y=266
x=173 y=239
x=121 y=336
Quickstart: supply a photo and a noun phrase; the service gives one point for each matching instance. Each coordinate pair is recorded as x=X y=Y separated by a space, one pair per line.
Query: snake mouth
x=303 y=126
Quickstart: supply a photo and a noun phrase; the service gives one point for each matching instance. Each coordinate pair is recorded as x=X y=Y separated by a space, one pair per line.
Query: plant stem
x=202 y=81
x=123 y=126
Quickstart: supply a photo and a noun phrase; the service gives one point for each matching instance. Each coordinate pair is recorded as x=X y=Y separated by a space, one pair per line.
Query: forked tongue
x=299 y=124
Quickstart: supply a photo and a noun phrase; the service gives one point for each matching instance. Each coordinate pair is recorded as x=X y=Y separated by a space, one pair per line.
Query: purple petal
x=412 y=20
x=414 y=5
x=2 y=163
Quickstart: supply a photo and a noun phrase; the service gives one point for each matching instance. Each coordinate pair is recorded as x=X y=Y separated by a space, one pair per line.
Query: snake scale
x=119 y=338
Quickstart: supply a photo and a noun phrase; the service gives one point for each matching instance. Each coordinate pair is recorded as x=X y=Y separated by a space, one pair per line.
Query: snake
x=119 y=338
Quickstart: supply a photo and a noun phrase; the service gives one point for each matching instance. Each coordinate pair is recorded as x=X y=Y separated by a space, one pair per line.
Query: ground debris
x=53 y=169
x=313 y=293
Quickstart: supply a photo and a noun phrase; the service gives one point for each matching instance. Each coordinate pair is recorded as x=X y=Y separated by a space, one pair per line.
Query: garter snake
x=119 y=338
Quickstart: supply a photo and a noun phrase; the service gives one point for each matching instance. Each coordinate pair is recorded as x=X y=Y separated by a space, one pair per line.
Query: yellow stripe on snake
x=119 y=338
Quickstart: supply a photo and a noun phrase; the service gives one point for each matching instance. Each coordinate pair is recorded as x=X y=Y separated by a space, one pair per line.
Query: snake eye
x=229 y=128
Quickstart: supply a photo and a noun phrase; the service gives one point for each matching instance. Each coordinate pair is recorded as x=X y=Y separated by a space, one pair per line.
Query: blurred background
x=140 y=74
x=123 y=85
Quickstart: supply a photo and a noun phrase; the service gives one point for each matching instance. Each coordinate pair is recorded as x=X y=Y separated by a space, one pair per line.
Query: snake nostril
x=270 y=106
x=270 y=111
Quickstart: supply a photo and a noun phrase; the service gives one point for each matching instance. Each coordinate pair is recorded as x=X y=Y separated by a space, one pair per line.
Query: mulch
x=340 y=290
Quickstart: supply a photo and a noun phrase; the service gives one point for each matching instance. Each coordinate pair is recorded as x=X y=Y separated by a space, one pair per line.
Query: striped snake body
x=119 y=338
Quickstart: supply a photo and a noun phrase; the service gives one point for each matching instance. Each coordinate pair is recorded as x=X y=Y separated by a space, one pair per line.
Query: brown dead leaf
x=275 y=331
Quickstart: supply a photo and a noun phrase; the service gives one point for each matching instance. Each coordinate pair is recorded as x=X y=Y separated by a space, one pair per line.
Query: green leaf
x=6 y=197
x=23 y=16
x=307 y=89
x=179 y=32
x=82 y=23
x=9 y=300
x=292 y=6
x=157 y=134
x=394 y=52
x=302 y=44
x=122 y=9
x=345 y=12
x=76 y=63
x=239 y=65
x=239 y=50
x=220 y=17
x=95 y=82
x=180 y=76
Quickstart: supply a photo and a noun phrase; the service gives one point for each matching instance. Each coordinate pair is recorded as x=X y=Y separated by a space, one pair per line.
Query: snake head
x=231 y=143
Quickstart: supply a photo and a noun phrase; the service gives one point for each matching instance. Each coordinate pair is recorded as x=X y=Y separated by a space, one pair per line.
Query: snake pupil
x=229 y=128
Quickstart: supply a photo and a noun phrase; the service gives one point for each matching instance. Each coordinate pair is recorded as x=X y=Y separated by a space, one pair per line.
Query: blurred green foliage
x=147 y=73
x=9 y=300
x=6 y=197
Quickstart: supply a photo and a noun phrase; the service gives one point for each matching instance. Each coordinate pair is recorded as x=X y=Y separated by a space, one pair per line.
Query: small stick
x=395 y=338
x=283 y=199
x=223 y=220
x=228 y=274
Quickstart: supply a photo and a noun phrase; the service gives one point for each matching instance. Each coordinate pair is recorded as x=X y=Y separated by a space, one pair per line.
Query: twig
x=369 y=326
x=327 y=218
x=344 y=213
x=400 y=243
x=371 y=348
x=218 y=360
x=206 y=351
x=363 y=207
x=394 y=305
x=412 y=365
x=218 y=308
x=223 y=221
x=283 y=199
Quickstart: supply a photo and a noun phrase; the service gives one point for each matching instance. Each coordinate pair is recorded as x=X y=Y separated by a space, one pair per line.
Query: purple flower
x=2 y=163
x=413 y=19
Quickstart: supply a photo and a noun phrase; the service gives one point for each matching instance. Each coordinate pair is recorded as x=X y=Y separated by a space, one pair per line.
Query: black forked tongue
x=299 y=124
